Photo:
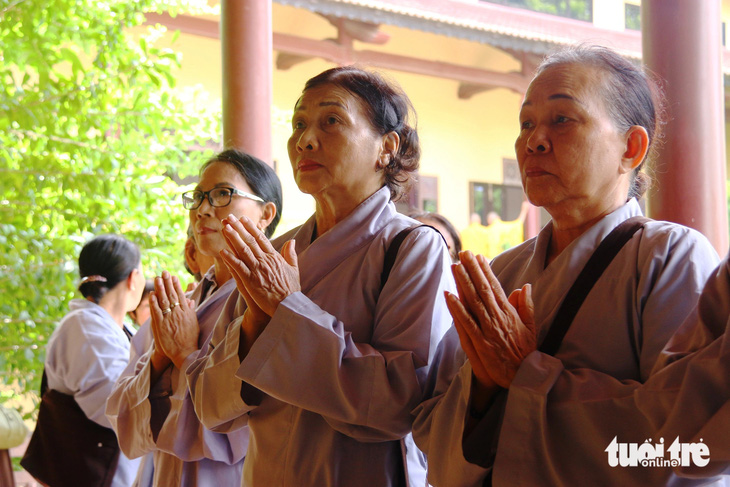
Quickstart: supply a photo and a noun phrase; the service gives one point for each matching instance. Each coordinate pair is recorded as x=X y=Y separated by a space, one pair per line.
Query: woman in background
x=142 y=312
x=444 y=227
x=90 y=348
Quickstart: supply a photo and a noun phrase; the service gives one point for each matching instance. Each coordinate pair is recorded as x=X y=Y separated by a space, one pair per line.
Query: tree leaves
x=92 y=137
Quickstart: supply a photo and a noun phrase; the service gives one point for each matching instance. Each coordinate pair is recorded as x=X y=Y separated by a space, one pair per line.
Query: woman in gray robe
x=325 y=352
x=586 y=125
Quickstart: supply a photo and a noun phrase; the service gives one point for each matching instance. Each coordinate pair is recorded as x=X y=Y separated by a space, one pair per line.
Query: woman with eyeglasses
x=150 y=407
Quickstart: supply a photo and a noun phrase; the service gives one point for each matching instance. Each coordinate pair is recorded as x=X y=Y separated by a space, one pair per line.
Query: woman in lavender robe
x=325 y=356
x=150 y=407
x=512 y=414
x=89 y=349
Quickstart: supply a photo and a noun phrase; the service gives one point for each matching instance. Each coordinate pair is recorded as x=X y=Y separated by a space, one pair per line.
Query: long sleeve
x=134 y=402
x=562 y=412
x=343 y=361
x=579 y=411
x=96 y=381
x=686 y=400
x=689 y=398
x=86 y=356
x=675 y=268
x=388 y=370
x=160 y=417
x=438 y=428
x=212 y=382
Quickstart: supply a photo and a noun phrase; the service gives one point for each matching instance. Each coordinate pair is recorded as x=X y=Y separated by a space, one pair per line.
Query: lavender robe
x=85 y=355
x=160 y=417
x=328 y=386
x=550 y=435
x=688 y=396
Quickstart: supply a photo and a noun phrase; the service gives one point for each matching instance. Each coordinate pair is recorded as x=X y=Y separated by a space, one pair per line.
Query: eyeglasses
x=217 y=197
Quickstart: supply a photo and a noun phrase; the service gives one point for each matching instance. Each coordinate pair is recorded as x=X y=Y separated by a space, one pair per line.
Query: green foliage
x=632 y=16
x=574 y=9
x=92 y=133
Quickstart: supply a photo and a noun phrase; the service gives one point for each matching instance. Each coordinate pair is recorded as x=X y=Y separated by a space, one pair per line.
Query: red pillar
x=682 y=44
x=246 y=44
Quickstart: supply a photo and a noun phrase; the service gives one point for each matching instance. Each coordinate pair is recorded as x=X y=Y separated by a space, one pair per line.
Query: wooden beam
x=186 y=24
x=331 y=51
x=467 y=90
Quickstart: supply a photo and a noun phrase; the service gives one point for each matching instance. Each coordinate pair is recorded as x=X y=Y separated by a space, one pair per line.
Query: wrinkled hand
x=495 y=334
x=175 y=332
x=252 y=325
x=521 y=300
x=262 y=274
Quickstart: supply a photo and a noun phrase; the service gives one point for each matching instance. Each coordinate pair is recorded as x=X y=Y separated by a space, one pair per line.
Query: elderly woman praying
x=505 y=403
x=325 y=352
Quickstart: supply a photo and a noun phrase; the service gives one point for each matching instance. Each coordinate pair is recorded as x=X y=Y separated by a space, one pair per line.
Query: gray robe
x=551 y=434
x=160 y=417
x=85 y=356
x=688 y=395
x=328 y=386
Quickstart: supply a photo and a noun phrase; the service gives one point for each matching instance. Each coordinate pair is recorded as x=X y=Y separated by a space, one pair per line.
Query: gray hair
x=630 y=96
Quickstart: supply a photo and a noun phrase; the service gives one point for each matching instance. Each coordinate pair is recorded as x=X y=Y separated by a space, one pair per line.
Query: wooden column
x=682 y=44
x=246 y=45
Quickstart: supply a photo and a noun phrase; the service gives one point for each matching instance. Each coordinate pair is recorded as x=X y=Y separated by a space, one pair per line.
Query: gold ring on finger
x=166 y=311
x=174 y=304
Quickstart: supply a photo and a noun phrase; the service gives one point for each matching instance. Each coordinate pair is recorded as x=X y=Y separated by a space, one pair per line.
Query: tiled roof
x=500 y=26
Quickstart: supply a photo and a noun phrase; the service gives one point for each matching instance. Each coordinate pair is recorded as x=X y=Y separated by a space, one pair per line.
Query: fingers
x=181 y=298
x=521 y=300
x=238 y=269
x=514 y=298
x=468 y=333
x=479 y=281
x=469 y=296
x=161 y=293
x=526 y=297
x=456 y=269
x=494 y=284
x=155 y=317
x=169 y=285
x=238 y=241
x=250 y=235
x=169 y=292
x=261 y=239
x=155 y=310
x=462 y=324
x=526 y=304
x=289 y=252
